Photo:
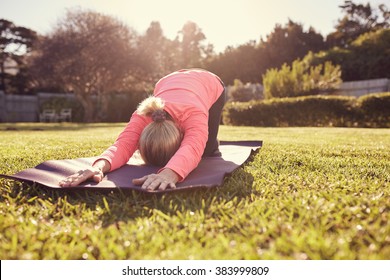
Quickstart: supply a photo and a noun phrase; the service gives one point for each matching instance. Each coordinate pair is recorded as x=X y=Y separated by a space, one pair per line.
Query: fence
x=24 y=108
x=359 y=88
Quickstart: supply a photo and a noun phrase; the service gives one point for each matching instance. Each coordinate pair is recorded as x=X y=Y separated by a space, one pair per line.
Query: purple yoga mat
x=210 y=172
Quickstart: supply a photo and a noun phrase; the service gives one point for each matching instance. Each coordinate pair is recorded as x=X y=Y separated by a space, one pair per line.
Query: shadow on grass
x=118 y=205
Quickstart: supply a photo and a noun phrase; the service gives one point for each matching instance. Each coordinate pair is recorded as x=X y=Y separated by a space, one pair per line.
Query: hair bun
x=159 y=116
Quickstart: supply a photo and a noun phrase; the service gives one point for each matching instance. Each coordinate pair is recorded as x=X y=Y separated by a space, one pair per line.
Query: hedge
x=371 y=110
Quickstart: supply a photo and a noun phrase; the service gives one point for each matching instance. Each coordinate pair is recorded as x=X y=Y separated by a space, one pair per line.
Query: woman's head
x=161 y=138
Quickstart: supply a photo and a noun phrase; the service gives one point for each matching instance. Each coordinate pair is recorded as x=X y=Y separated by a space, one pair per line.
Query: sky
x=224 y=22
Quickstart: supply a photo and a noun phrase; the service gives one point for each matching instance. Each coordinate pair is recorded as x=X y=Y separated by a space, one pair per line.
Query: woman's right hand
x=81 y=176
x=95 y=172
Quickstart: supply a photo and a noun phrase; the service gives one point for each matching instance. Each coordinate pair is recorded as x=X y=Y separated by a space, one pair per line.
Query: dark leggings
x=215 y=113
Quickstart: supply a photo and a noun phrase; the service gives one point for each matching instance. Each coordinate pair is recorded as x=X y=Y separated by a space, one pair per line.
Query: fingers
x=167 y=185
x=139 y=181
x=154 y=182
x=82 y=176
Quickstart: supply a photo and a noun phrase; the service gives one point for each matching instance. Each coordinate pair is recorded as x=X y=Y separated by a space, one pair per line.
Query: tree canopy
x=90 y=54
x=15 y=44
x=250 y=61
x=357 y=20
x=368 y=56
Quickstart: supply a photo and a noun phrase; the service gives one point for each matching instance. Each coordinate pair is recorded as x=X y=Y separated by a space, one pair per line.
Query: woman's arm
x=192 y=147
x=126 y=144
x=114 y=157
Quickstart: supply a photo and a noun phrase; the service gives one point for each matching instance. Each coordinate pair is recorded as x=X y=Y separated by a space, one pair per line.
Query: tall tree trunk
x=103 y=106
x=88 y=106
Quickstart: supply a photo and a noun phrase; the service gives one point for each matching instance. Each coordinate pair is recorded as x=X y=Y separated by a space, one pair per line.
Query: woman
x=173 y=129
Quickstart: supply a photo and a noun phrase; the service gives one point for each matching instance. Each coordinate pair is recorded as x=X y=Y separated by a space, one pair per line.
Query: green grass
x=311 y=193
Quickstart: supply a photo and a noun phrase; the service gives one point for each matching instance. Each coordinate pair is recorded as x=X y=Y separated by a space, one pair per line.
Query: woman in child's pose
x=173 y=129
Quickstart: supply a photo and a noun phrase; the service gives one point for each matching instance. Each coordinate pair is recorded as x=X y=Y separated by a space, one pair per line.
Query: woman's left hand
x=164 y=179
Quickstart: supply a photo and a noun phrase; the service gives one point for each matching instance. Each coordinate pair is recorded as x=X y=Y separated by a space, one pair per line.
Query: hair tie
x=159 y=116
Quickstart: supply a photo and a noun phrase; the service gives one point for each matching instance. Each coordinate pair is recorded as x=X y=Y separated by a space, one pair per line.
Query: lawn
x=311 y=193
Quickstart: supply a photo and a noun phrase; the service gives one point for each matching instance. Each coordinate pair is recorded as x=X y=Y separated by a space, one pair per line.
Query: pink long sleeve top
x=188 y=95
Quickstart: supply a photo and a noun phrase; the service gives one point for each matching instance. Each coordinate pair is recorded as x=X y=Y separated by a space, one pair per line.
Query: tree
x=250 y=61
x=358 y=19
x=243 y=63
x=163 y=55
x=192 y=49
x=291 y=41
x=367 y=57
x=286 y=44
x=90 y=54
x=160 y=54
x=15 y=44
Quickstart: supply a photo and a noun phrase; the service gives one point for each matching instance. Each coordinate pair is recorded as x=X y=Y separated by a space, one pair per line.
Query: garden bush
x=367 y=111
x=374 y=110
x=301 y=79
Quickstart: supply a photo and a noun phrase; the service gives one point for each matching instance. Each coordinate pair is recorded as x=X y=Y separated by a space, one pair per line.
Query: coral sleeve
x=126 y=144
x=192 y=147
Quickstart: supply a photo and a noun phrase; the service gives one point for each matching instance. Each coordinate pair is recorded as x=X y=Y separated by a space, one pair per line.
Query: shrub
x=374 y=110
x=301 y=79
x=311 y=111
